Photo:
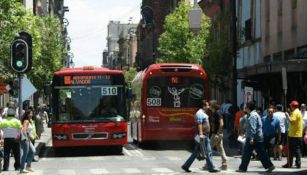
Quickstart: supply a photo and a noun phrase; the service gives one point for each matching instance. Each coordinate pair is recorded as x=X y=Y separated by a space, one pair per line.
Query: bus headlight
x=60 y=137
x=118 y=135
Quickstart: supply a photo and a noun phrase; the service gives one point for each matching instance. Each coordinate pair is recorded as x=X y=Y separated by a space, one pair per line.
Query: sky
x=88 y=21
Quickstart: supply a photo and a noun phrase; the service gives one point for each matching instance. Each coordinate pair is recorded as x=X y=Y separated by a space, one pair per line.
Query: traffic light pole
x=20 y=75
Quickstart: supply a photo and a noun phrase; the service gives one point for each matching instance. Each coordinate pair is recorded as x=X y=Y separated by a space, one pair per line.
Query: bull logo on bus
x=176 y=92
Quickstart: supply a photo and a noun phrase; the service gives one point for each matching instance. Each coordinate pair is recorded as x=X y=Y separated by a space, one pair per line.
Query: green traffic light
x=19 y=63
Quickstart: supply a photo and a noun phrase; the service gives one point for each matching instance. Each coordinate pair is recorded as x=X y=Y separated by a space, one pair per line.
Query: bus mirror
x=47 y=88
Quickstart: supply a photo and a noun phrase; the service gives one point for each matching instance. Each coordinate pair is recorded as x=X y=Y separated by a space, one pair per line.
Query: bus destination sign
x=84 y=79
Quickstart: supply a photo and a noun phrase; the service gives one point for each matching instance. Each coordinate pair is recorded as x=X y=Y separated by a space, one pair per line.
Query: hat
x=294 y=104
x=11 y=111
x=303 y=106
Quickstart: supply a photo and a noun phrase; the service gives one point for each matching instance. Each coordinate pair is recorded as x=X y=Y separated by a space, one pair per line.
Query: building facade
x=118 y=43
x=283 y=46
x=150 y=28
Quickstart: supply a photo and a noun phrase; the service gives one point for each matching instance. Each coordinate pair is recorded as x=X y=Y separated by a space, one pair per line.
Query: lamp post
x=234 y=52
x=148 y=21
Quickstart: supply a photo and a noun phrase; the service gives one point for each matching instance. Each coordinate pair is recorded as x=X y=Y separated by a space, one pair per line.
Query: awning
x=3 y=89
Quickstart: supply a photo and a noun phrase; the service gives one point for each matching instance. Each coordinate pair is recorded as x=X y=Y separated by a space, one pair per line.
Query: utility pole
x=234 y=52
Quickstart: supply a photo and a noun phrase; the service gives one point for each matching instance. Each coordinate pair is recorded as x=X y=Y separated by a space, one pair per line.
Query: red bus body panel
x=86 y=128
x=161 y=123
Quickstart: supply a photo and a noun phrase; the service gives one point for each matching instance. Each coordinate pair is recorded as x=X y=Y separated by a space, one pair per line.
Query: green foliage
x=219 y=58
x=178 y=43
x=130 y=74
x=47 y=48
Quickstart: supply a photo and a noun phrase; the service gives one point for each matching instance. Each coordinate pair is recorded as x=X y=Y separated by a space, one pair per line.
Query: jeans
x=193 y=156
x=27 y=152
x=262 y=155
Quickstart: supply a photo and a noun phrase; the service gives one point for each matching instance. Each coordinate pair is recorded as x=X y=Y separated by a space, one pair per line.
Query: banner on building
x=248 y=94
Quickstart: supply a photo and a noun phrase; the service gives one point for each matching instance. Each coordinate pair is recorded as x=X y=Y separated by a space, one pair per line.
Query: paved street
x=154 y=160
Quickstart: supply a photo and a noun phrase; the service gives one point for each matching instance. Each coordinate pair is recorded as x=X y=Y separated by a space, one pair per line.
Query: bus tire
x=118 y=149
x=58 y=151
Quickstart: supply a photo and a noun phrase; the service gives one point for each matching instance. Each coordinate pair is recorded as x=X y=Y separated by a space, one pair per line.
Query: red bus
x=89 y=107
x=166 y=99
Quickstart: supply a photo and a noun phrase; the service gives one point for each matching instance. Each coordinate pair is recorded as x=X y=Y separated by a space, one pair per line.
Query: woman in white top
x=27 y=148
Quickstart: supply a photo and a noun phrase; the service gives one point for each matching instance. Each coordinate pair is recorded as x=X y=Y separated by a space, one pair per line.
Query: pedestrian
x=11 y=132
x=216 y=125
x=226 y=110
x=238 y=115
x=304 y=143
x=242 y=133
x=295 y=132
x=254 y=141
x=202 y=132
x=283 y=123
x=271 y=131
x=38 y=122
x=28 y=150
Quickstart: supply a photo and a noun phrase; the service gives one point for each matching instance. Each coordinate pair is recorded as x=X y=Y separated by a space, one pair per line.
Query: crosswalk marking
x=126 y=152
x=131 y=170
x=162 y=170
x=174 y=158
x=67 y=172
x=99 y=171
x=97 y=158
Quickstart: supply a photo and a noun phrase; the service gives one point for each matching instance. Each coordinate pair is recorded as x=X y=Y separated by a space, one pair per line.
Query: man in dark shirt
x=217 y=125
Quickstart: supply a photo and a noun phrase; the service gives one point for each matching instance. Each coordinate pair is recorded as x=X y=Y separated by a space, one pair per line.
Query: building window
x=289 y=54
x=277 y=57
x=294 y=4
x=294 y=15
x=279 y=8
x=302 y=52
x=267 y=59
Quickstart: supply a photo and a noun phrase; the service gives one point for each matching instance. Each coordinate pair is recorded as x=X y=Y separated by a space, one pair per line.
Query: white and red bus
x=89 y=108
x=166 y=99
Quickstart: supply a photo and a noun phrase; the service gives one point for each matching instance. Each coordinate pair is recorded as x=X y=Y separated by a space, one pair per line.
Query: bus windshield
x=175 y=91
x=93 y=102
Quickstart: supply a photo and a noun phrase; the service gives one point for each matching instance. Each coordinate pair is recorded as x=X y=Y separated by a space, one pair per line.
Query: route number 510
x=107 y=91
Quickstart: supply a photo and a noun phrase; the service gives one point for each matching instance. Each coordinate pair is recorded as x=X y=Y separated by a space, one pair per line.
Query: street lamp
x=148 y=20
x=234 y=52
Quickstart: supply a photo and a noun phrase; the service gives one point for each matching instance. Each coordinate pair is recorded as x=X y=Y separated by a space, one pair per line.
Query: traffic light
x=20 y=55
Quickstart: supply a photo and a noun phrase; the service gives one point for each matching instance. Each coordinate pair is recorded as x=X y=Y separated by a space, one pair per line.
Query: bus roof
x=174 y=65
x=86 y=70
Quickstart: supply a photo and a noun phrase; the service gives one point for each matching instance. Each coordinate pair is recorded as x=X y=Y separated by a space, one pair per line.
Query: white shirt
x=304 y=115
x=281 y=116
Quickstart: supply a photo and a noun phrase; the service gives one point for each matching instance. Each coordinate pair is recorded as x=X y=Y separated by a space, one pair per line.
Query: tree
x=219 y=58
x=48 y=49
x=130 y=74
x=178 y=43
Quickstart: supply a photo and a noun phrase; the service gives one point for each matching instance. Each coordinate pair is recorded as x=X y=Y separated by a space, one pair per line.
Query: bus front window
x=90 y=103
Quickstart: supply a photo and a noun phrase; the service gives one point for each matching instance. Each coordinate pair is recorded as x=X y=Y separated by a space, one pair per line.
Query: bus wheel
x=118 y=149
x=58 y=151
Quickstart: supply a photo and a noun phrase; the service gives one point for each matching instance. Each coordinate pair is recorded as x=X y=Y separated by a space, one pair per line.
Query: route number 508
x=153 y=101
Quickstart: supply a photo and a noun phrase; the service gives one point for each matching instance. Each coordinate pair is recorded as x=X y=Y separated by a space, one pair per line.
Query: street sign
x=27 y=89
